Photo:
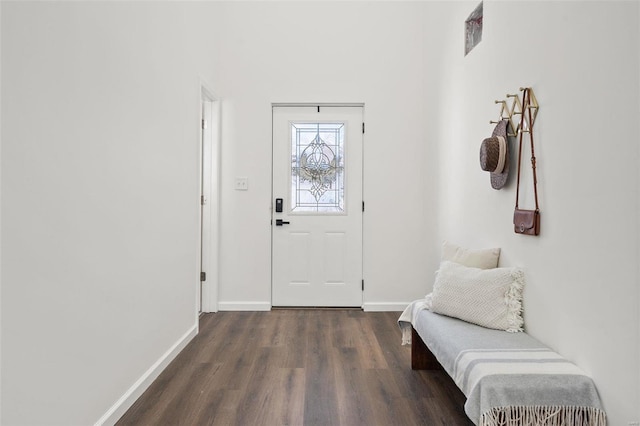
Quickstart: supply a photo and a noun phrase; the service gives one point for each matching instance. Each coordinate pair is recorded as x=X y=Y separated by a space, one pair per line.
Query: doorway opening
x=207 y=291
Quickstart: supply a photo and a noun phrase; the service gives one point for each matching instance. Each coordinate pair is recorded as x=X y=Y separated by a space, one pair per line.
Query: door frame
x=320 y=105
x=209 y=227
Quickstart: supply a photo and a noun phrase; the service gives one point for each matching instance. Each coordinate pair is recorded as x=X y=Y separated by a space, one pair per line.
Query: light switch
x=242 y=184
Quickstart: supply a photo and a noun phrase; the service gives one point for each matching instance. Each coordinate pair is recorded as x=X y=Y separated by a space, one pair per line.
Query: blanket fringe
x=543 y=416
x=513 y=299
x=408 y=317
x=406 y=333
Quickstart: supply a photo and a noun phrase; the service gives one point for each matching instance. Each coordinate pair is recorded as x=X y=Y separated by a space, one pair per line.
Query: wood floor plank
x=225 y=411
x=298 y=367
x=320 y=402
x=353 y=402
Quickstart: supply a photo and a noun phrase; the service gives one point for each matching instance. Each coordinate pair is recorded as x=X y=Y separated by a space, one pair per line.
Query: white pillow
x=491 y=298
x=483 y=258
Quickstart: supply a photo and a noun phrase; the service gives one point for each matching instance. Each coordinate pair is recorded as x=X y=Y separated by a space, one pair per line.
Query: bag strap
x=526 y=109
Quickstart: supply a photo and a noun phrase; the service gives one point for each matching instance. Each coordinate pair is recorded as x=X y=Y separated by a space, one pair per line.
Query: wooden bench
x=508 y=378
x=421 y=356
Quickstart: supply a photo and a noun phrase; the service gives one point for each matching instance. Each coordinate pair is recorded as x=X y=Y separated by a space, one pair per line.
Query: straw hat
x=494 y=155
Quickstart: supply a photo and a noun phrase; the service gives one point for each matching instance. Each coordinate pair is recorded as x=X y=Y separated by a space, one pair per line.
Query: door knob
x=280 y=222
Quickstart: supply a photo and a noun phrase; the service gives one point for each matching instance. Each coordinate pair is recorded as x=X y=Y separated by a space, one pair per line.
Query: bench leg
x=421 y=356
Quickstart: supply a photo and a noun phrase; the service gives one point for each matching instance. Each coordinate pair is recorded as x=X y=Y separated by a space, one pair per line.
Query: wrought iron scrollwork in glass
x=317 y=167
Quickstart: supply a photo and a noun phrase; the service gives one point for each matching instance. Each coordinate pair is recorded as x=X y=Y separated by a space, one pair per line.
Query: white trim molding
x=385 y=306
x=133 y=393
x=266 y=306
x=244 y=306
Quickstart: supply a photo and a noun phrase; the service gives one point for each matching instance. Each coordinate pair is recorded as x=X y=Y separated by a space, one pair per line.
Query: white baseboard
x=244 y=306
x=133 y=393
x=384 y=306
x=266 y=306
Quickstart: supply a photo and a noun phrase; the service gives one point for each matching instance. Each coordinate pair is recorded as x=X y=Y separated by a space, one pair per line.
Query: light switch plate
x=242 y=184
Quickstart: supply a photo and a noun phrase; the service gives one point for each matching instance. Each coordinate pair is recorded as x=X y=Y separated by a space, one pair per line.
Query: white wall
x=582 y=60
x=367 y=52
x=100 y=172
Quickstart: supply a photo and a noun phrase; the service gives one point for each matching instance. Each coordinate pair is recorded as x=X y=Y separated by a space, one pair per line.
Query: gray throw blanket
x=509 y=379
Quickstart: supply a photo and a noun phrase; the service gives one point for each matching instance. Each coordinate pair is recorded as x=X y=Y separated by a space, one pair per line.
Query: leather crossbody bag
x=526 y=222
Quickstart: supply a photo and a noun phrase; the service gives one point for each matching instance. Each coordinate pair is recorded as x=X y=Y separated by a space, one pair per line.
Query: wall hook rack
x=532 y=104
x=511 y=108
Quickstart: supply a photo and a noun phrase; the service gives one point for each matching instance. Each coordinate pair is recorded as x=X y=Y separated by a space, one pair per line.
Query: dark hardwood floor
x=298 y=367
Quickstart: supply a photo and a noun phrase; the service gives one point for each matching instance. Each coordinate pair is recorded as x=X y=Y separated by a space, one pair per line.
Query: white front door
x=317 y=235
